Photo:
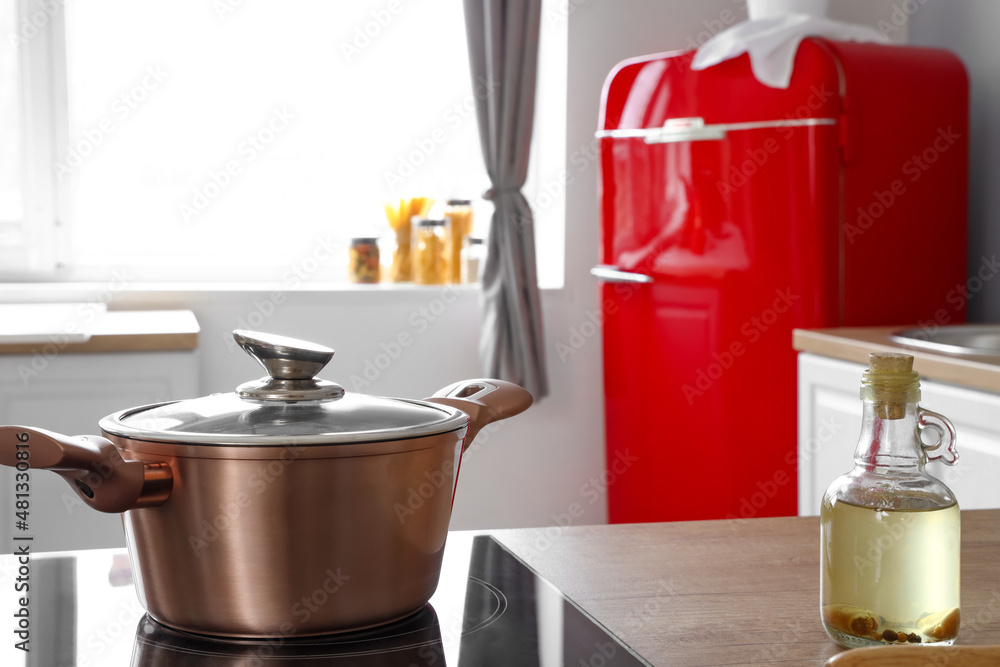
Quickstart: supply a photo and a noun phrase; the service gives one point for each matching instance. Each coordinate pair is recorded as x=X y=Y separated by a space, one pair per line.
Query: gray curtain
x=503 y=56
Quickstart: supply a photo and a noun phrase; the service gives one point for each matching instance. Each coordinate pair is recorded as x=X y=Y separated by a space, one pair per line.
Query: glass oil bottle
x=890 y=532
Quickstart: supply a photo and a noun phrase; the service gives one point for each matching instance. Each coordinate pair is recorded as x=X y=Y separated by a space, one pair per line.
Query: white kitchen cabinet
x=69 y=394
x=830 y=422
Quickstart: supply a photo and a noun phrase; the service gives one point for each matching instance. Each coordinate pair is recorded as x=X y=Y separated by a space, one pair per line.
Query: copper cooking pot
x=287 y=508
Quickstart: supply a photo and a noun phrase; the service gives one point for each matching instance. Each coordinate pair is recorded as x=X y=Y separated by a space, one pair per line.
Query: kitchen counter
x=123 y=331
x=742 y=592
x=855 y=343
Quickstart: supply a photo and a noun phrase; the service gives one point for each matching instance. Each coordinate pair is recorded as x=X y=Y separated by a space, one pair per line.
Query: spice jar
x=363 y=263
x=473 y=258
x=458 y=214
x=890 y=533
x=429 y=258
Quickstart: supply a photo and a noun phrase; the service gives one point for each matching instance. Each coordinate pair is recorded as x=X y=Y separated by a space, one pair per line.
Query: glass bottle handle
x=944 y=448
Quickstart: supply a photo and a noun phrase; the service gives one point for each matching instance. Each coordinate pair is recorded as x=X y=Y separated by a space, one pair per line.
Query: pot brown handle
x=92 y=466
x=485 y=401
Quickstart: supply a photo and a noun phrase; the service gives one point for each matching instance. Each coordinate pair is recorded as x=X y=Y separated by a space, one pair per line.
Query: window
x=11 y=185
x=245 y=141
x=30 y=60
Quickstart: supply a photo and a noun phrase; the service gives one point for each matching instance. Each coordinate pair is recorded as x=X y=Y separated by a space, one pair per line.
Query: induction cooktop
x=490 y=609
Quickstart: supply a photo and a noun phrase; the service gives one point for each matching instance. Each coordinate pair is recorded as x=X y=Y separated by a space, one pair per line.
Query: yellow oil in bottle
x=890 y=576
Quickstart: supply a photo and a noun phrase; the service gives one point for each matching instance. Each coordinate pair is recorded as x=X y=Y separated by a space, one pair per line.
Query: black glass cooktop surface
x=489 y=610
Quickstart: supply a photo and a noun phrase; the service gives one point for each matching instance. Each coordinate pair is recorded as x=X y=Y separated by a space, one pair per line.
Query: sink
x=974 y=339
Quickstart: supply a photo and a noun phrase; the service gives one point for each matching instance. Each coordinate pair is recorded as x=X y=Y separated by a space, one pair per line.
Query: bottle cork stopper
x=890 y=383
x=890 y=362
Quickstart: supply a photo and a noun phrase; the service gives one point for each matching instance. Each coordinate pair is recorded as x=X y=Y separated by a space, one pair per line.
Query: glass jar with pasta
x=458 y=213
x=400 y=216
x=430 y=264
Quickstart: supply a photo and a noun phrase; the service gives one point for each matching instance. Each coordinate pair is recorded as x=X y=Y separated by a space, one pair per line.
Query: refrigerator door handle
x=686 y=129
x=677 y=130
x=612 y=274
x=674 y=130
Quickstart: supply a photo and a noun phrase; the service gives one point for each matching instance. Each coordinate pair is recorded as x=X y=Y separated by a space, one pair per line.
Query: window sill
x=211 y=296
x=42 y=289
x=20 y=291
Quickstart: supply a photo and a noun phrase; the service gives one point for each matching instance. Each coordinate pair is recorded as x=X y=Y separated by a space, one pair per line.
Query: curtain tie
x=492 y=193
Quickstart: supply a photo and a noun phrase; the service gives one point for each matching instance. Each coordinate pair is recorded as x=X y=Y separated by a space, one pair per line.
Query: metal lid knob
x=291 y=366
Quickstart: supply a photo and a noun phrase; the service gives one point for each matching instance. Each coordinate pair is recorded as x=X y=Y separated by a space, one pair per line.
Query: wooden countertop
x=125 y=331
x=742 y=592
x=854 y=344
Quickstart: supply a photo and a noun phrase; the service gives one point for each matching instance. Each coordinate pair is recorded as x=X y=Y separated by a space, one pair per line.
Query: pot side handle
x=485 y=401
x=92 y=465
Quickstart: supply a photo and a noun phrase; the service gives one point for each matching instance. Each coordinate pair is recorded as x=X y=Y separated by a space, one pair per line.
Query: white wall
x=529 y=469
x=542 y=463
x=969 y=29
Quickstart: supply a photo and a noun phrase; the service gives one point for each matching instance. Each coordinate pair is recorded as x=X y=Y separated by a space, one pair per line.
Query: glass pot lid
x=288 y=406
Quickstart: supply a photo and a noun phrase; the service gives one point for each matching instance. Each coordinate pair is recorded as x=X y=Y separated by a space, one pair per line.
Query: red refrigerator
x=732 y=213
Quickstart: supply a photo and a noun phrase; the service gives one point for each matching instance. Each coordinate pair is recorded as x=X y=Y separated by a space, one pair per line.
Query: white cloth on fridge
x=773 y=41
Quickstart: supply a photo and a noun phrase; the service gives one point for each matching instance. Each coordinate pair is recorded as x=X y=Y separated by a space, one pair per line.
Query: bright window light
x=231 y=140
x=11 y=163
